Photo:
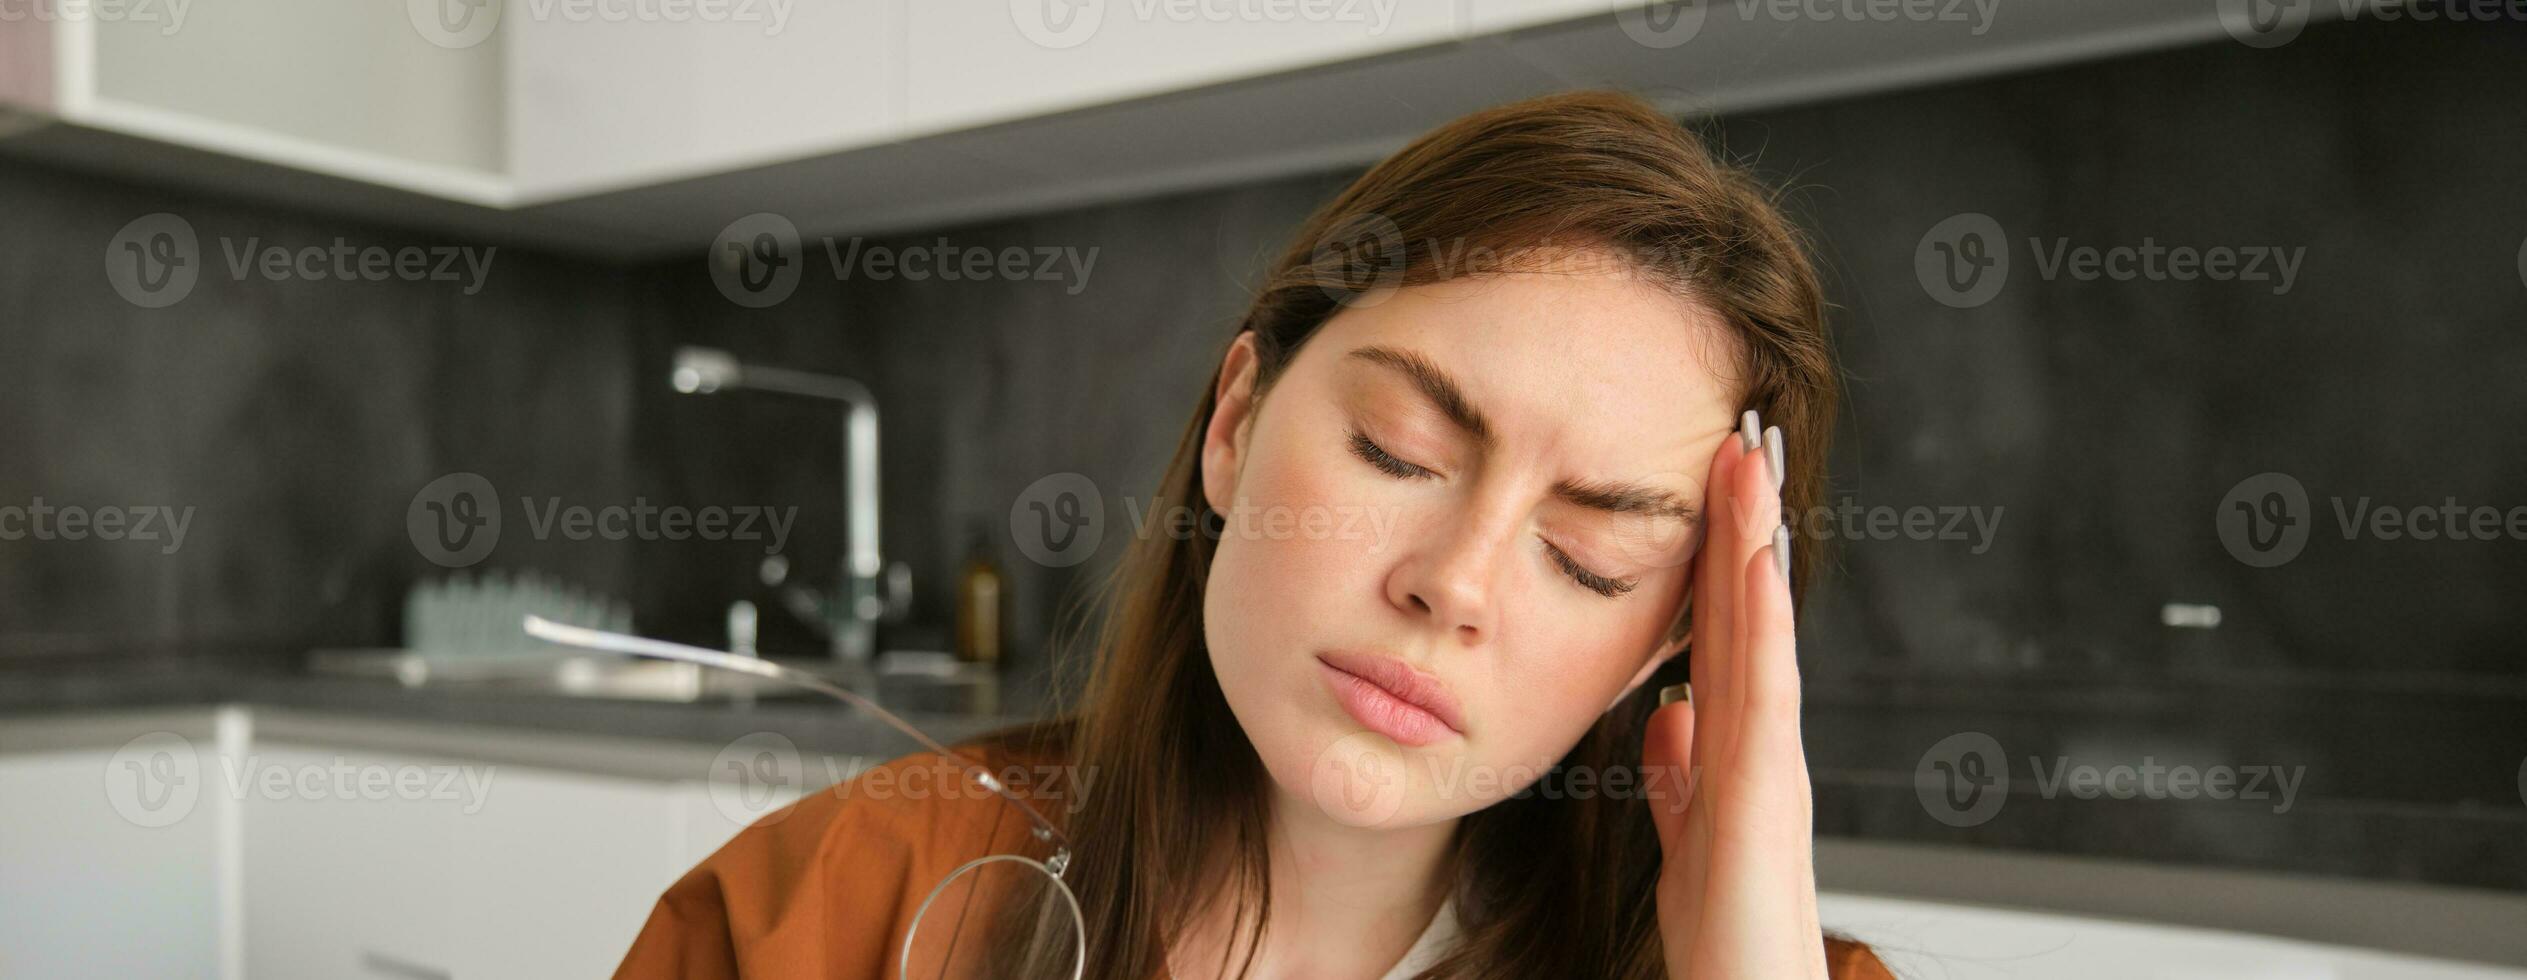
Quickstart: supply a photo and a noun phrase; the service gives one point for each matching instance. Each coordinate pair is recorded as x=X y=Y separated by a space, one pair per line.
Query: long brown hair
x=1546 y=886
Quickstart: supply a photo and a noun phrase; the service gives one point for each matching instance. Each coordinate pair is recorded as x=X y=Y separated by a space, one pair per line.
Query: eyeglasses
x=997 y=917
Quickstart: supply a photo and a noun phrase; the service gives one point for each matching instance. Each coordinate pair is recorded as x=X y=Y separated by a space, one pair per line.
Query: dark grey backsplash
x=292 y=420
x=2097 y=428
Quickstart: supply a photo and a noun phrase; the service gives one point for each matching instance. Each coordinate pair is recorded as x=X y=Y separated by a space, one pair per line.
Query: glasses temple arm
x=639 y=646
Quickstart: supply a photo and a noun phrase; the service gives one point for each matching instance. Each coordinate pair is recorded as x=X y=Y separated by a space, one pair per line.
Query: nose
x=1451 y=578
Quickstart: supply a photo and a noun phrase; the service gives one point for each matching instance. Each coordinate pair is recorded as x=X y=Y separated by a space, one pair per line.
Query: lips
x=1392 y=698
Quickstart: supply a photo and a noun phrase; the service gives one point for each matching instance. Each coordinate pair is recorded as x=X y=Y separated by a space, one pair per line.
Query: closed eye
x=1386 y=462
x=1593 y=582
x=1375 y=455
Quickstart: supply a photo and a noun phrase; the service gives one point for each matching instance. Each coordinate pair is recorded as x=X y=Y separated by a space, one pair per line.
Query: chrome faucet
x=873 y=589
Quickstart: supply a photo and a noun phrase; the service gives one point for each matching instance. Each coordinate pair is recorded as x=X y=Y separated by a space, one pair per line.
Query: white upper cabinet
x=972 y=63
x=351 y=89
x=642 y=128
x=598 y=104
x=1494 y=16
x=485 y=102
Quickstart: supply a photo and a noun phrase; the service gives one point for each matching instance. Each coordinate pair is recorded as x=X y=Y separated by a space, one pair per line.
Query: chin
x=1360 y=778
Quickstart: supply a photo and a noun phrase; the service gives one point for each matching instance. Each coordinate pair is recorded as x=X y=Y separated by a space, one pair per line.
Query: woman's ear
x=1232 y=415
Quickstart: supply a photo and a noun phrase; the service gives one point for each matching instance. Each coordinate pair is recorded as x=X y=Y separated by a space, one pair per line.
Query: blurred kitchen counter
x=477 y=720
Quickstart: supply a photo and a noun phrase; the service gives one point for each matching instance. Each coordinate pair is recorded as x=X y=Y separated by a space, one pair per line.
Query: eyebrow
x=1611 y=496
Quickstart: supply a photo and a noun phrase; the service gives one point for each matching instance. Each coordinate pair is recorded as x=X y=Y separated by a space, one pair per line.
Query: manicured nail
x=1773 y=454
x=1749 y=431
x=1781 y=550
x=1673 y=693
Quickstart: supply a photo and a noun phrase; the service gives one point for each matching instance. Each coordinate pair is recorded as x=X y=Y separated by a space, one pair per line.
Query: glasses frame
x=1043 y=829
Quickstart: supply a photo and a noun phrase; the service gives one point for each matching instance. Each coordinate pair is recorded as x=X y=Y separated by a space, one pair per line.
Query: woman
x=1488 y=430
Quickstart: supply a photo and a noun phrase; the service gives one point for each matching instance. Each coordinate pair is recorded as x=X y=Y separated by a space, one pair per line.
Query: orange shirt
x=825 y=887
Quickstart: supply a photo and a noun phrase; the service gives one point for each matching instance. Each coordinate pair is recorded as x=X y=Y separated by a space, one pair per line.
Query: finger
x=1666 y=767
x=1755 y=495
x=1761 y=870
x=1763 y=877
x=1715 y=595
x=1743 y=488
x=1683 y=826
x=1768 y=741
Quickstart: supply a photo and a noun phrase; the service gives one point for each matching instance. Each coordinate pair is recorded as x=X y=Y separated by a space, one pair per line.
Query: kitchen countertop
x=812 y=724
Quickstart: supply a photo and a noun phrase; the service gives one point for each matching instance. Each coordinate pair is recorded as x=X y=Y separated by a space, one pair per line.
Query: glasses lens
x=1003 y=917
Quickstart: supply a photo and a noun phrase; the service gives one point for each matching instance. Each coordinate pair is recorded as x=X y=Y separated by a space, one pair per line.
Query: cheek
x=1554 y=695
x=1558 y=668
x=1297 y=567
x=1304 y=542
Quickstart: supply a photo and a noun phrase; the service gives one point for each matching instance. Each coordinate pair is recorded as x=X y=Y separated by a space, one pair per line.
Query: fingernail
x=1749 y=431
x=1781 y=550
x=1774 y=455
x=1673 y=693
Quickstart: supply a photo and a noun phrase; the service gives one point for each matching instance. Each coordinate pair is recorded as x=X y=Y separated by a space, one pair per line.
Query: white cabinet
x=496 y=103
x=281 y=845
x=1933 y=939
x=598 y=104
x=446 y=866
x=113 y=852
x=1494 y=16
x=974 y=63
x=643 y=128
x=349 y=89
x=559 y=870
x=341 y=886
x=87 y=893
x=525 y=107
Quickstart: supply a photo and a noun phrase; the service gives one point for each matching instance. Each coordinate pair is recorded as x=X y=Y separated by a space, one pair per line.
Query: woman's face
x=1458 y=528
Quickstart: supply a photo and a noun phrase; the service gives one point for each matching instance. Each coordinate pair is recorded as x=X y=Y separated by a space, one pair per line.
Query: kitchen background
x=2099 y=428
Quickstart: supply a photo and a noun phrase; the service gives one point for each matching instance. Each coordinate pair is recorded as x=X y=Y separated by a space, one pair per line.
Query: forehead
x=1609 y=368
